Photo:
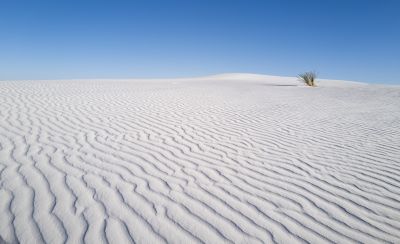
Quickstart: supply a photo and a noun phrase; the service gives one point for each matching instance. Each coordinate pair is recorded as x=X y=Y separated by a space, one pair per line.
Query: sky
x=339 y=39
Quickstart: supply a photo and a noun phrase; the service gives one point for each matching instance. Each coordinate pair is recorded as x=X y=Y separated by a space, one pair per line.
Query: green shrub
x=308 y=78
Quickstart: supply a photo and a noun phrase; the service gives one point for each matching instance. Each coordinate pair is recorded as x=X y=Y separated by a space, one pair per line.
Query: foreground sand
x=229 y=158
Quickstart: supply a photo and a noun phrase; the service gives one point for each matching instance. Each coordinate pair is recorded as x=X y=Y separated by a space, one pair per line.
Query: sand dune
x=229 y=158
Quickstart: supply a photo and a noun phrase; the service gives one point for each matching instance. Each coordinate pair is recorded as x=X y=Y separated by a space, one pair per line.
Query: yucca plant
x=308 y=78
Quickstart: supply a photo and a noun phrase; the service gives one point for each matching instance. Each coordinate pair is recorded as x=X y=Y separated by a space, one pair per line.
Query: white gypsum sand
x=226 y=158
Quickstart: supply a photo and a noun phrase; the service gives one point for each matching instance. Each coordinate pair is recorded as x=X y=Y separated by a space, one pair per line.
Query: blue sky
x=340 y=39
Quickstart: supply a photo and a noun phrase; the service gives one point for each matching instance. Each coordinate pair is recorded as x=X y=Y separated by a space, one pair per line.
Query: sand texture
x=232 y=158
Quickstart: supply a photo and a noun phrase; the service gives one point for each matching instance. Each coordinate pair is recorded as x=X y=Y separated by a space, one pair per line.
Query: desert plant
x=308 y=78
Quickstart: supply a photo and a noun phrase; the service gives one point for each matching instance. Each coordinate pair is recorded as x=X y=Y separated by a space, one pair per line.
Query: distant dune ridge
x=241 y=158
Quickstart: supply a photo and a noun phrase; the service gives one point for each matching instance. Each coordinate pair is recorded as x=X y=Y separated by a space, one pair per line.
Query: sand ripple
x=121 y=162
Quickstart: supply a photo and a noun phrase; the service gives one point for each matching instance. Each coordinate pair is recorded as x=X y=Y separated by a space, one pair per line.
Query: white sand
x=226 y=158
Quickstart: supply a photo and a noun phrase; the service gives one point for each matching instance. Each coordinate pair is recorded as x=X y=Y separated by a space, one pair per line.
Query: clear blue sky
x=340 y=39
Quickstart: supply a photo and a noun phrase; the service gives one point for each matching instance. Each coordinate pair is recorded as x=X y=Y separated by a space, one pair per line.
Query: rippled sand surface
x=216 y=160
